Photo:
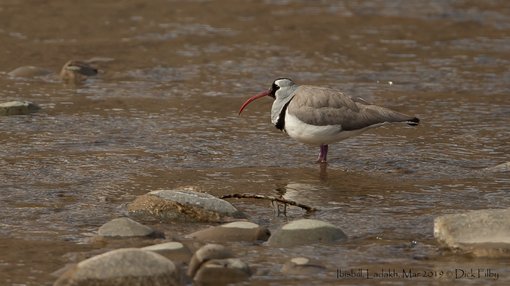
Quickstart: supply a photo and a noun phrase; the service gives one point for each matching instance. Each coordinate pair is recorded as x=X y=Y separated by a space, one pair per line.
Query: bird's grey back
x=324 y=106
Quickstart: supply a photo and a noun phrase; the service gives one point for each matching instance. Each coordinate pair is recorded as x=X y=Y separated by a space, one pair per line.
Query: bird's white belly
x=316 y=135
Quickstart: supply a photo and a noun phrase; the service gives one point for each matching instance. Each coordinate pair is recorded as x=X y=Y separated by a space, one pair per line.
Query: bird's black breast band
x=280 y=124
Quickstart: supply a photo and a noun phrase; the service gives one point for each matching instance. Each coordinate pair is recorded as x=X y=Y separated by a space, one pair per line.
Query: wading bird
x=320 y=116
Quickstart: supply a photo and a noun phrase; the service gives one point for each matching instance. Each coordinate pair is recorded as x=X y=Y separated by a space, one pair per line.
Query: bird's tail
x=413 y=121
x=383 y=114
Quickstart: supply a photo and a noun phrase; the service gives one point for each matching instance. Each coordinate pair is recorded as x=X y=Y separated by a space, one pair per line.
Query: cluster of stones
x=174 y=262
x=481 y=233
x=73 y=72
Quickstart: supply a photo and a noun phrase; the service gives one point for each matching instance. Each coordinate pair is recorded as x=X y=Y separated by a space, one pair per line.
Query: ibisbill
x=321 y=116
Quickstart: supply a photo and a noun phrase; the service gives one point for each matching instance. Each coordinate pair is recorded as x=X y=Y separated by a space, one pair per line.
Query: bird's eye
x=274 y=88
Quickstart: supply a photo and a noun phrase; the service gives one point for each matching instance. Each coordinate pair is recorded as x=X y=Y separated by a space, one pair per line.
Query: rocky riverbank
x=205 y=258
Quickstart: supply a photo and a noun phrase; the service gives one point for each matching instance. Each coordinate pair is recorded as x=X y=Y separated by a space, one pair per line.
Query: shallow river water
x=163 y=114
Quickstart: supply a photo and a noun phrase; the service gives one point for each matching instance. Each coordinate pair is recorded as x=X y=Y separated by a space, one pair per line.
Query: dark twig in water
x=308 y=209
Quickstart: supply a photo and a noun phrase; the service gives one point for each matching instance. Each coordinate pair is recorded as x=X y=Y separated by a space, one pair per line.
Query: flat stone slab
x=126 y=267
x=306 y=231
x=480 y=232
x=182 y=205
x=173 y=250
x=18 y=108
x=234 y=231
x=124 y=227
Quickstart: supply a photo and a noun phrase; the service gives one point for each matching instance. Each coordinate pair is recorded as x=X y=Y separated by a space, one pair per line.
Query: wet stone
x=77 y=71
x=18 y=108
x=206 y=253
x=302 y=266
x=29 y=71
x=182 y=205
x=73 y=71
x=306 y=231
x=234 y=231
x=126 y=267
x=223 y=271
x=480 y=233
x=504 y=167
x=98 y=60
x=124 y=227
x=175 y=251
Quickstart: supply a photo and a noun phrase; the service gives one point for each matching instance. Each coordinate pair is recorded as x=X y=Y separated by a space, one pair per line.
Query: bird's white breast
x=317 y=135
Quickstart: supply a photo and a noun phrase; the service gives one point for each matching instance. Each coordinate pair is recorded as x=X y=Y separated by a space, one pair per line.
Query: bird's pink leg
x=323 y=155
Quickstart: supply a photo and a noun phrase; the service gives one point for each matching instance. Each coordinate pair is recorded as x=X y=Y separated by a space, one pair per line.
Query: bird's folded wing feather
x=323 y=106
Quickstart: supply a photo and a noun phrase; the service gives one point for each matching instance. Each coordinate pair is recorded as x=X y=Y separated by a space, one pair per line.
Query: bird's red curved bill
x=259 y=95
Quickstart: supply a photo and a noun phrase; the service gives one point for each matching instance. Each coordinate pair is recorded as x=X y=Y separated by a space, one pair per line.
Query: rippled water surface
x=163 y=114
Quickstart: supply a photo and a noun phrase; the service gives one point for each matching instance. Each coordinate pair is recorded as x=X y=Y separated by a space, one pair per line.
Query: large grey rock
x=480 y=232
x=126 y=267
x=223 y=271
x=234 y=231
x=124 y=227
x=18 y=108
x=182 y=205
x=306 y=231
x=173 y=250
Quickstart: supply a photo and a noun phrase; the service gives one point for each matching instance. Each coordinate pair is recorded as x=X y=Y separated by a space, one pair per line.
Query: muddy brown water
x=163 y=114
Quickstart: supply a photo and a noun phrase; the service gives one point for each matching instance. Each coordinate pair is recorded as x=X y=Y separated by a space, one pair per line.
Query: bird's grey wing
x=323 y=106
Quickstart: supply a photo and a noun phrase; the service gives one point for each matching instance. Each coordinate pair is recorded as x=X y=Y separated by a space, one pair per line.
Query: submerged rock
x=223 y=271
x=213 y=263
x=18 y=108
x=234 y=231
x=206 y=253
x=182 y=205
x=505 y=167
x=302 y=266
x=73 y=71
x=122 y=267
x=480 y=232
x=98 y=60
x=76 y=71
x=29 y=71
x=175 y=251
x=306 y=231
x=124 y=227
